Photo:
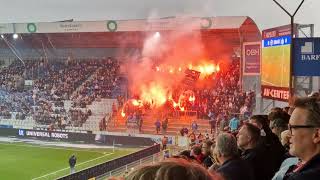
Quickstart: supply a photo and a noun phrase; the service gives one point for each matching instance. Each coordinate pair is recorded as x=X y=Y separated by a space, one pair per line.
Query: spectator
x=278 y=126
x=192 y=138
x=223 y=124
x=72 y=163
x=194 y=126
x=197 y=153
x=164 y=142
x=184 y=131
x=234 y=124
x=164 y=126
x=286 y=109
x=212 y=122
x=200 y=138
x=206 y=135
x=171 y=169
x=45 y=101
x=206 y=151
x=166 y=154
x=304 y=127
x=252 y=153
x=314 y=95
x=158 y=125
x=270 y=142
x=144 y=173
x=231 y=166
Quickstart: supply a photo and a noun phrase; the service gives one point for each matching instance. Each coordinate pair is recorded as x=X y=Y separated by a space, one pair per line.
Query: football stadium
x=162 y=98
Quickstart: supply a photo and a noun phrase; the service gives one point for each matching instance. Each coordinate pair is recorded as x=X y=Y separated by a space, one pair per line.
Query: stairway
x=27 y=123
x=175 y=125
x=118 y=124
x=99 y=109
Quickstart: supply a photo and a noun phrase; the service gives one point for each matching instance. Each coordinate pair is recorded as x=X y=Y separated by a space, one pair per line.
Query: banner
x=42 y=134
x=306 y=57
x=64 y=27
x=276 y=93
x=251 y=58
x=170 y=23
x=85 y=137
x=275 y=63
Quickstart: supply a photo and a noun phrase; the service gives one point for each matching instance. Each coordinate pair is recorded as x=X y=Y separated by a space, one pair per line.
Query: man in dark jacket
x=252 y=152
x=72 y=163
x=269 y=142
x=310 y=170
x=304 y=127
x=231 y=166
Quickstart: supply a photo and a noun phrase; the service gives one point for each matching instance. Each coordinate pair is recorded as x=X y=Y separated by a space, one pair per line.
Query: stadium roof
x=129 y=33
x=169 y=23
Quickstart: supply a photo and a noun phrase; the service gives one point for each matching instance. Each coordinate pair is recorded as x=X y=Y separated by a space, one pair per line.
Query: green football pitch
x=19 y=161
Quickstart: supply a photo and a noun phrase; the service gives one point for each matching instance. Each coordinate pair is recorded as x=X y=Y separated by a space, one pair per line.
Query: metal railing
x=114 y=166
x=124 y=170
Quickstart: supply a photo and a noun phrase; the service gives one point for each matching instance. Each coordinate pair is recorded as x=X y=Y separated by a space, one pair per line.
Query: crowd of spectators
x=51 y=84
x=220 y=100
x=224 y=98
x=100 y=86
x=285 y=144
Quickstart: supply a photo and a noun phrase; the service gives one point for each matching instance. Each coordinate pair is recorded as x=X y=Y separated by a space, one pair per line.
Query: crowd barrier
x=106 y=167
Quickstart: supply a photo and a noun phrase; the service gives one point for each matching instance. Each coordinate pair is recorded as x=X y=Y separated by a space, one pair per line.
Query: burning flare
x=155 y=94
x=156 y=87
x=123 y=114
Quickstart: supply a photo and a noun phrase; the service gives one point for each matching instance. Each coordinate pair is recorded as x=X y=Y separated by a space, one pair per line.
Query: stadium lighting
x=157 y=35
x=15 y=36
x=2 y=36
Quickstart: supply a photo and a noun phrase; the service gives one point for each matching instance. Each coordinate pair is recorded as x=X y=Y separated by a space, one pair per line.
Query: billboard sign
x=251 y=58
x=275 y=63
x=306 y=57
x=42 y=134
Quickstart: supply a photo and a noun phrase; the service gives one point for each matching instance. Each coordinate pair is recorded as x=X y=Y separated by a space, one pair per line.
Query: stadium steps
x=27 y=123
x=174 y=126
x=117 y=124
x=100 y=109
